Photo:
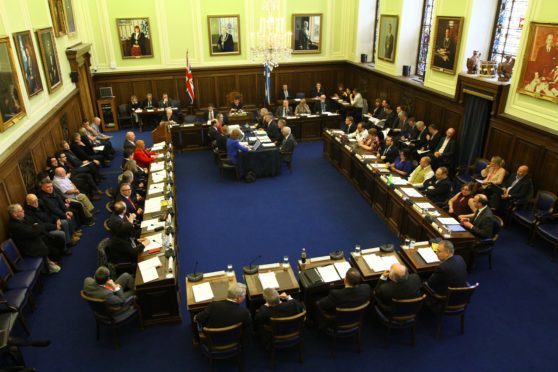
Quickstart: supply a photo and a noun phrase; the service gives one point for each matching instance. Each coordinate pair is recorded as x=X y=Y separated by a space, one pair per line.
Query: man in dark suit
x=219 y=139
x=130 y=141
x=119 y=217
x=349 y=126
x=126 y=195
x=388 y=44
x=419 y=135
x=518 y=188
x=165 y=101
x=123 y=247
x=317 y=91
x=390 y=117
x=284 y=110
x=287 y=145
x=276 y=306
x=225 y=313
x=321 y=105
x=452 y=272
x=481 y=224
x=211 y=113
x=260 y=119
x=272 y=128
x=388 y=151
x=114 y=292
x=445 y=151
x=438 y=188
x=434 y=138
x=400 y=285
x=354 y=294
x=284 y=93
x=150 y=102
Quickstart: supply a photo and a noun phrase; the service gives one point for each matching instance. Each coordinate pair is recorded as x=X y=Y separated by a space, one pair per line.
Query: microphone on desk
x=251 y=268
x=195 y=276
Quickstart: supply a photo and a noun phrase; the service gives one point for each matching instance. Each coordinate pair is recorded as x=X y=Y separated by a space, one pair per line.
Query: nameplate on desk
x=359 y=157
x=318 y=259
x=269 y=266
x=139 y=110
x=150 y=110
x=417 y=208
x=214 y=274
x=188 y=125
x=370 y=250
x=398 y=192
x=348 y=148
x=338 y=139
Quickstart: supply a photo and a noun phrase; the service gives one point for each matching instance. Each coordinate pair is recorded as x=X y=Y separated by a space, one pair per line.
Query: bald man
x=481 y=223
x=518 y=188
x=130 y=141
x=443 y=155
x=396 y=283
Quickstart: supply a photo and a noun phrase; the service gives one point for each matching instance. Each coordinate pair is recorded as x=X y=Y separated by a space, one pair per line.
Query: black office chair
x=299 y=95
x=226 y=165
x=116 y=269
x=466 y=173
x=401 y=314
x=124 y=115
x=547 y=229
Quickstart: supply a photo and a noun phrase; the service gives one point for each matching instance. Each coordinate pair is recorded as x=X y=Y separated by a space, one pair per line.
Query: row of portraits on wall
x=539 y=75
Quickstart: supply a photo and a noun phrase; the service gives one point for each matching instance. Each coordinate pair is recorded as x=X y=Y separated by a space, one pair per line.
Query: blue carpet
x=510 y=324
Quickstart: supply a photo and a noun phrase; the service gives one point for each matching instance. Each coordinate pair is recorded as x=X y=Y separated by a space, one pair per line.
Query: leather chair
x=454 y=304
x=287 y=333
x=14 y=301
x=401 y=314
x=20 y=280
x=222 y=343
x=226 y=165
x=124 y=115
x=115 y=269
x=347 y=323
x=484 y=247
x=542 y=206
x=113 y=316
x=17 y=261
x=299 y=95
x=466 y=173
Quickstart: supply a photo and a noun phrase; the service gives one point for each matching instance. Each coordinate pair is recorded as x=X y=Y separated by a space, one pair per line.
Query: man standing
x=284 y=93
x=287 y=145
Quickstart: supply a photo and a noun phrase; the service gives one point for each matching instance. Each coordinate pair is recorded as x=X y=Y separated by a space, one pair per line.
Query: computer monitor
x=106 y=92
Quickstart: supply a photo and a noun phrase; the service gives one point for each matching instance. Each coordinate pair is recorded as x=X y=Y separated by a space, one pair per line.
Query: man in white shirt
x=284 y=110
x=70 y=191
x=356 y=99
x=360 y=133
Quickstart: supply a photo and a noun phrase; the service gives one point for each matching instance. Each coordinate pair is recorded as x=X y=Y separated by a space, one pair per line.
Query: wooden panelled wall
x=21 y=163
x=517 y=142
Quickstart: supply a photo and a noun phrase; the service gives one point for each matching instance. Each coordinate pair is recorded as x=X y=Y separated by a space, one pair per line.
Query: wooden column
x=79 y=59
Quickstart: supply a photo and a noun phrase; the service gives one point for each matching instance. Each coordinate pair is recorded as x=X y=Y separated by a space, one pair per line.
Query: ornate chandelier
x=271 y=44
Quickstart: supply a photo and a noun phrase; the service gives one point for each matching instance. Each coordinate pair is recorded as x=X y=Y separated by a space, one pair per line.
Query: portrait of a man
x=224 y=35
x=446 y=44
x=387 y=39
x=11 y=102
x=49 y=58
x=28 y=63
x=307 y=31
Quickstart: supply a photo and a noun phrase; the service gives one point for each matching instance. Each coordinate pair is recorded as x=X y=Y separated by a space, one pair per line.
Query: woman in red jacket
x=142 y=156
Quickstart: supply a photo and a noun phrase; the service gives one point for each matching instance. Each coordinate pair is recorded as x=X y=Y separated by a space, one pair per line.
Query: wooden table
x=399 y=212
x=311 y=127
x=368 y=275
x=154 y=113
x=415 y=262
x=285 y=278
x=190 y=137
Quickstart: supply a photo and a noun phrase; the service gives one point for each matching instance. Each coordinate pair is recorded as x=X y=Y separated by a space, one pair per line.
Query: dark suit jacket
x=287 y=147
x=54 y=203
x=284 y=310
x=282 y=96
x=390 y=153
x=386 y=290
x=206 y=115
x=434 y=141
x=221 y=314
x=129 y=145
x=131 y=206
x=82 y=152
x=345 y=297
x=165 y=105
x=483 y=224
x=349 y=129
x=28 y=237
x=420 y=138
x=41 y=216
x=378 y=112
x=273 y=131
x=390 y=120
x=522 y=191
x=441 y=191
x=318 y=107
x=316 y=93
x=449 y=151
x=120 y=250
x=154 y=103
x=279 y=112
x=450 y=273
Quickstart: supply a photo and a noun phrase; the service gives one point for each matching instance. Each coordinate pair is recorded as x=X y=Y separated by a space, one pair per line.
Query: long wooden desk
x=398 y=212
x=159 y=298
x=369 y=275
x=311 y=127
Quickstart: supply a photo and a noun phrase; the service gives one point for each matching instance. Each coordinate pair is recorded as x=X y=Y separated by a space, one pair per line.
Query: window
x=510 y=18
x=376 y=31
x=425 y=29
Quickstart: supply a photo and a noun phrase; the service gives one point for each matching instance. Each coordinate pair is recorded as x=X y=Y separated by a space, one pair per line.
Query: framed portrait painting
x=447 y=40
x=58 y=18
x=135 y=37
x=49 y=58
x=307 y=33
x=28 y=62
x=11 y=103
x=224 y=34
x=69 y=18
x=539 y=72
x=387 y=38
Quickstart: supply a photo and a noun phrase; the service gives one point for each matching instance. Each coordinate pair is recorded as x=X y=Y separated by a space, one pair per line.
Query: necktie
x=133 y=204
x=284 y=111
x=210 y=115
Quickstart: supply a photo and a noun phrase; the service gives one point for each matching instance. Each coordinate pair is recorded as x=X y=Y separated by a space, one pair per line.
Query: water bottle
x=357 y=250
x=303 y=256
x=390 y=179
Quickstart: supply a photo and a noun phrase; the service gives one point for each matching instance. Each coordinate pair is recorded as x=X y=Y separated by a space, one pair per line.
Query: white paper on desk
x=202 y=292
x=155 y=241
x=160 y=156
x=400 y=181
x=261 y=133
x=328 y=273
x=338 y=131
x=425 y=206
x=291 y=117
x=370 y=250
x=252 y=139
x=448 y=221
x=156 y=188
x=369 y=156
x=297 y=99
x=188 y=125
x=379 y=263
x=428 y=255
x=268 y=145
x=422 y=151
x=245 y=144
x=424 y=242
x=215 y=273
x=158 y=145
x=139 y=110
x=157 y=166
x=342 y=268
x=268 y=280
x=410 y=192
x=326 y=113
x=150 y=110
x=99 y=148
x=378 y=165
x=152 y=262
x=153 y=204
x=318 y=259
x=151 y=225
x=159 y=173
x=149 y=274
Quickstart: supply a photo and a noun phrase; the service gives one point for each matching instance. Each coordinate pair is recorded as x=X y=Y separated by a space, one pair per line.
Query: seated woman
x=233 y=146
x=462 y=202
x=142 y=156
x=494 y=173
x=372 y=142
x=302 y=108
x=402 y=166
x=236 y=106
x=133 y=106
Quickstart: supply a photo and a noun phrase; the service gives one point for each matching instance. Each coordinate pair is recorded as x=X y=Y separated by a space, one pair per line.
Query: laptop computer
x=256 y=144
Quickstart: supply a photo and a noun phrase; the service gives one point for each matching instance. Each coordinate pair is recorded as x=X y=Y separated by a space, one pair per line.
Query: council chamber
x=192 y=185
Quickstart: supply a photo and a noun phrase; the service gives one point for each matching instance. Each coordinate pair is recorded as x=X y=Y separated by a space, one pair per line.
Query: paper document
x=448 y=221
x=202 y=292
x=369 y=156
x=139 y=110
x=157 y=166
x=425 y=243
x=370 y=250
x=268 y=145
x=328 y=273
x=158 y=146
x=428 y=255
x=152 y=262
x=379 y=263
x=99 y=148
x=399 y=181
x=342 y=268
x=153 y=204
x=155 y=241
x=188 y=125
x=410 y=192
x=420 y=152
x=149 y=274
x=425 y=206
x=268 y=280
x=379 y=165
x=156 y=188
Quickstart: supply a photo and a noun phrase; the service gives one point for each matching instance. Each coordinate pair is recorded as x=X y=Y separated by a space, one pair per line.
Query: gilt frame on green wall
x=223 y=34
x=12 y=108
x=387 y=39
x=306 y=33
x=447 y=42
x=134 y=35
x=28 y=62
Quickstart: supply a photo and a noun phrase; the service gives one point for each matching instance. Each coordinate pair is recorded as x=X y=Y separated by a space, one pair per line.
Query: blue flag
x=267 y=77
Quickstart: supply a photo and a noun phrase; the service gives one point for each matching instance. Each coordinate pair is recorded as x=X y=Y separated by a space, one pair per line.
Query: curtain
x=475 y=123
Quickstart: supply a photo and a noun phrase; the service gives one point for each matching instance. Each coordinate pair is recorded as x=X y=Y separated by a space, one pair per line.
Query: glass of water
x=357 y=250
x=412 y=244
x=230 y=271
x=407 y=242
x=286 y=262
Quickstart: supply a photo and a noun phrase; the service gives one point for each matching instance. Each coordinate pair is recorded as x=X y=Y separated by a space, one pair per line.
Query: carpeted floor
x=510 y=323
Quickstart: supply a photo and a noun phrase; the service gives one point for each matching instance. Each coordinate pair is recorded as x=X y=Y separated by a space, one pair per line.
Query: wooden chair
x=113 y=316
x=547 y=229
x=347 y=323
x=484 y=247
x=401 y=314
x=222 y=343
x=454 y=304
x=287 y=333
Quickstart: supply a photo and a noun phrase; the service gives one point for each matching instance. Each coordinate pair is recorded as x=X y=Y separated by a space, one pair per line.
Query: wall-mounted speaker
x=74 y=77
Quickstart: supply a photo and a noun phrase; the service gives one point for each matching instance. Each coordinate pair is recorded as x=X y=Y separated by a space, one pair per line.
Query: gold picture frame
x=23 y=43
x=58 y=17
x=69 y=18
x=12 y=108
x=387 y=38
x=135 y=37
x=224 y=35
x=49 y=58
x=306 y=33
x=447 y=42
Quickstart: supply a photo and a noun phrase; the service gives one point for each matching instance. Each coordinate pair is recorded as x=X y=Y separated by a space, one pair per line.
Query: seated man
x=421 y=173
x=518 y=188
x=400 y=286
x=59 y=229
x=130 y=141
x=150 y=102
x=217 y=137
x=225 y=313
x=272 y=128
x=129 y=164
x=236 y=106
x=126 y=195
x=70 y=191
x=349 y=126
x=114 y=292
x=165 y=101
x=211 y=113
x=354 y=294
x=388 y=152
x=434 y=137
x=93 y=130
x=321 y=106
x=445 y=151
x=287 y=145
x=122 y=246
x=438 y=188
x=284 y=110
x=481 y=223
x=452 y=272
x=169 y=115
x=62 y=208
x=360 y=134
x=260 y=119
x=120 y=216
x=276 y=306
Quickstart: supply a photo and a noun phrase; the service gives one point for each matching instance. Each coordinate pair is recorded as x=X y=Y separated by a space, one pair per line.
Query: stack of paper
x=379 y=263
x=202 y=292
x=342 y=268
x=268 y=280
x=410 y=192
x=399 y=181
x=425 y=206
x=448 y=221
x=158 y=146
x=156 y=188
x=99 y=148
x=428 y=255
x=328 y=273
x=155 y=241
x=148 y=269
x=159 y=166
x=153 y=204
x=378 y=165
